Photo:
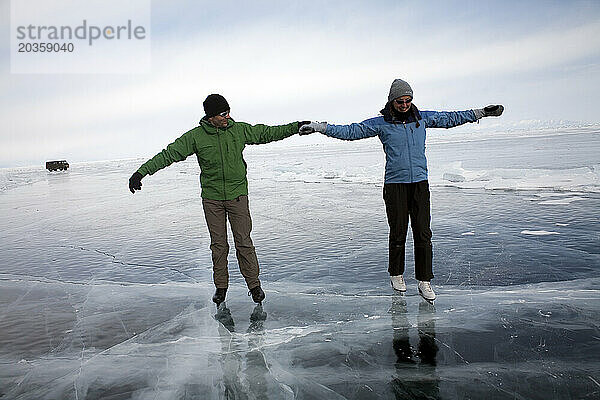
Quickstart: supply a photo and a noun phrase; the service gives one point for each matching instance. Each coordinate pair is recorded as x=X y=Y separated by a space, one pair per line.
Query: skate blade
x=427 y=300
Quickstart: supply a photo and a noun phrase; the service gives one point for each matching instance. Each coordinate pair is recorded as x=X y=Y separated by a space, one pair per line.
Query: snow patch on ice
x=557 y=194
x=14 y=177
x=453 y=177
x=583 y=180
x=567 y=200
x=539 y=233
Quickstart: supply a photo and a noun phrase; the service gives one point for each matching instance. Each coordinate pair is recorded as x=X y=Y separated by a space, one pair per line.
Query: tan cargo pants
x=216 y=213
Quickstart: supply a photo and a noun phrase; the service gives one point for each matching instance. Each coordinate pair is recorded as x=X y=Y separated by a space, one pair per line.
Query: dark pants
x=404 y=201
x=216 y=213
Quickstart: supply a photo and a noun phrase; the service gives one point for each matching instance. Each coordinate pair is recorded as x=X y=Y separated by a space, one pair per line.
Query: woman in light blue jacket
x=402 y=131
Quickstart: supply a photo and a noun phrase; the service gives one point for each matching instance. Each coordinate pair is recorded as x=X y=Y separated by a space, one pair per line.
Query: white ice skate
x=426 y=291
x=398 y=283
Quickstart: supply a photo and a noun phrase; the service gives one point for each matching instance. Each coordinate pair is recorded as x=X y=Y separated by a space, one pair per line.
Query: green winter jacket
x=219 y=152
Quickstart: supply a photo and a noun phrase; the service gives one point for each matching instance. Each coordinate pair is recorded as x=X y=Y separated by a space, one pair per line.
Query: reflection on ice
x=168 y=342
x=416 y=375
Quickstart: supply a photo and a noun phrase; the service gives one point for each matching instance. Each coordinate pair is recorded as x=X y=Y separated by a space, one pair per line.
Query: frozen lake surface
x=107 y=295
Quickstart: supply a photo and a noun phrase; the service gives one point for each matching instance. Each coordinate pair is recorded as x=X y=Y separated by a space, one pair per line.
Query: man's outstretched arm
x=179 y=150
x=260 y=134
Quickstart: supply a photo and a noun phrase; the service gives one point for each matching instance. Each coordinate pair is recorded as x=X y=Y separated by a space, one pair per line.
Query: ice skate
x=426 y=291
x=398 y=283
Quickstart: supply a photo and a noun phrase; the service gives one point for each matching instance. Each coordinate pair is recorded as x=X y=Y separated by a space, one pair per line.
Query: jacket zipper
x=410 y=167
x=222 y=164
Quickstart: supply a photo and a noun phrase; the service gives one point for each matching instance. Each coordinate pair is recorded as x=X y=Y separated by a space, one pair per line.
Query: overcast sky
x=279 y=61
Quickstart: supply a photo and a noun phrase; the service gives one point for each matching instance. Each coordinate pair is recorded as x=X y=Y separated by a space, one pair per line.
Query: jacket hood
x=210 y=128
x=392 y=116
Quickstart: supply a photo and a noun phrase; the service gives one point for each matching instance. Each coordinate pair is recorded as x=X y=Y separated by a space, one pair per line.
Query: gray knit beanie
x=399 y=88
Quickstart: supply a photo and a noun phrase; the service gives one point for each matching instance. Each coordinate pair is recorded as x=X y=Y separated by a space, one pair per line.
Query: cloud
x=303 y=65
x=536 y=51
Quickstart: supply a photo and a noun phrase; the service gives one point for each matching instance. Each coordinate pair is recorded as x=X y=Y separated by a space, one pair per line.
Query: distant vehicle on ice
x=61 y=165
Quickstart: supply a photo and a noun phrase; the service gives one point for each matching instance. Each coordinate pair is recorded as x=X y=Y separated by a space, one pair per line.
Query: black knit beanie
x=215 y=104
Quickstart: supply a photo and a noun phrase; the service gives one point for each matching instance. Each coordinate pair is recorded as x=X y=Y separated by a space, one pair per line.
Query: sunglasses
x=400 y=102
x=223 y=114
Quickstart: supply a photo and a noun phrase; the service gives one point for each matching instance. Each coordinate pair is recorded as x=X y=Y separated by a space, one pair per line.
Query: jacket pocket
x=235 y=146
x=207 y=155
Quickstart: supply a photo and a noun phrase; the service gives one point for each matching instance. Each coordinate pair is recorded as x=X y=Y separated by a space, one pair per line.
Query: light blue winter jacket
x=403 y=143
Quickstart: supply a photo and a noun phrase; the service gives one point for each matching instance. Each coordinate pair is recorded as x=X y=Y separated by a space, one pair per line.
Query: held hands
x=135 y=182
x=301 y=124
x=311 y=127
x=495 y=110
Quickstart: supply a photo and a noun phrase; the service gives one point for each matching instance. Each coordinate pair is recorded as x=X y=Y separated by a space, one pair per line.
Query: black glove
x=135 y=182
x=493 y=111
x=300 y=124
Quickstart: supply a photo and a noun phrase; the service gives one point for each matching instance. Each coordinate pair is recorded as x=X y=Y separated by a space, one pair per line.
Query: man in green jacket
x=218 y=142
